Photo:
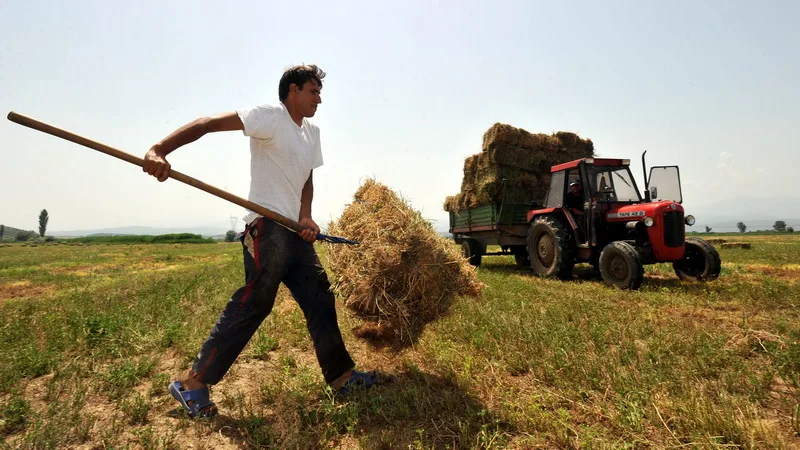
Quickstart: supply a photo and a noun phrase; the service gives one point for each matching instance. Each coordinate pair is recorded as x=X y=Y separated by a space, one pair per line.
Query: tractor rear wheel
x=621 y=266
x=472 y=250
x=551 y=248
x=700 y=261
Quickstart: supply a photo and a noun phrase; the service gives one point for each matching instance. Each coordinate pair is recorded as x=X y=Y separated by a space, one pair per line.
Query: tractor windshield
x=613 y=183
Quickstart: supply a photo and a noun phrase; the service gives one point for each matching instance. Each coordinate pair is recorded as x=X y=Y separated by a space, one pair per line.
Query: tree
x=24 y=236
x=43 y=218
x=790 y=229
x=779 y=226
x=741 y=226
x=230 y=236
x=2 y=231
x=708 y=229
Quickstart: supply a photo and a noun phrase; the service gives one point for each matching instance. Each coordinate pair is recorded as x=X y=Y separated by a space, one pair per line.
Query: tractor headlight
x=648 y=221
x=690 y=220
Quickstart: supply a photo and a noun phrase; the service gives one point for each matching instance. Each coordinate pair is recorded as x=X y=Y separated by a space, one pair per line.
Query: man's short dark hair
x=299 y=75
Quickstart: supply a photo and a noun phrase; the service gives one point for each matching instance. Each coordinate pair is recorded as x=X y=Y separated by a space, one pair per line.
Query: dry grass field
x=92 y=334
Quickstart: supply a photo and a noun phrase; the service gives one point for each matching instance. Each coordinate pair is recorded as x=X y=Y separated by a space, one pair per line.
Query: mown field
x=92 y=334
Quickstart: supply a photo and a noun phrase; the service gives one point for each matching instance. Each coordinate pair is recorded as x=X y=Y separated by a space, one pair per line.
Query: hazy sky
x=411 y=88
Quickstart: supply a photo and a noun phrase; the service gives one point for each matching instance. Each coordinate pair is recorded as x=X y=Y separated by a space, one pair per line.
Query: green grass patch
x=14 y=414
x=175 y=238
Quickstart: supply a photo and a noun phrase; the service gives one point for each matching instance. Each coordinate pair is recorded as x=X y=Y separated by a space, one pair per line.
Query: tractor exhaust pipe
x=646 y=182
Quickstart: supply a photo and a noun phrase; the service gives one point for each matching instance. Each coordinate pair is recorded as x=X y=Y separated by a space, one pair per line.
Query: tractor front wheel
x=621 y=266
x=700 y=261
x=551 y=248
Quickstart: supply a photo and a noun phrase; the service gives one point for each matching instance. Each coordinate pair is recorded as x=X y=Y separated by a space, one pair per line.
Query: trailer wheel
x=521 y=256
x=472 y=250
x=551 y=249
x=700 y=261
x=621 y=266
x=594 y=260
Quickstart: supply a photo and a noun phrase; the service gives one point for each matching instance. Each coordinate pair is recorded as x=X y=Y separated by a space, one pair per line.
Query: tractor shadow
x=585 y=273
x=658 y=282
x=582 y=272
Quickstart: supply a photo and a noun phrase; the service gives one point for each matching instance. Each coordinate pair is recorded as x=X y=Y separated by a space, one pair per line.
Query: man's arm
x=309 y=234
x=155 y=162
x=307 y=196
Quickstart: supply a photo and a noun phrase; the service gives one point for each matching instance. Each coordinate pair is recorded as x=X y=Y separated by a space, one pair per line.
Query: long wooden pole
x=72 y=137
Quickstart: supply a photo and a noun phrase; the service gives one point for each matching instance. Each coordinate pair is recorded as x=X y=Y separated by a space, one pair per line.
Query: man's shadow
x=429 y=410
x=410 y=409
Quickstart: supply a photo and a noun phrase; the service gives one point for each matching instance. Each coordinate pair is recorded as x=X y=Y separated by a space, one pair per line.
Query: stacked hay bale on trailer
x=511 y=171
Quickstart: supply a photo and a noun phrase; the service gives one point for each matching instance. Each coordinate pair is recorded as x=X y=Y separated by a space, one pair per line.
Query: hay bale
x=520 y=158
x=744 y=245
x=403 y=274
x=716 y=241
x=502 y=135
x=571 y=142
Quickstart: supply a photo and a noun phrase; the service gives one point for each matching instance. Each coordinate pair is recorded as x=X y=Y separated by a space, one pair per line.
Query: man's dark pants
x=275 y=255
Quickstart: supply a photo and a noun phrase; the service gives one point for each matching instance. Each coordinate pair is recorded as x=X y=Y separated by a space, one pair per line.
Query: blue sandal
x=195 y=402
x=358 y=380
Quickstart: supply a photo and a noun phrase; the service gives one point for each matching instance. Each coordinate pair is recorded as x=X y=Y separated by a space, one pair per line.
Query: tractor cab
x=594 y=213
x=593 y=180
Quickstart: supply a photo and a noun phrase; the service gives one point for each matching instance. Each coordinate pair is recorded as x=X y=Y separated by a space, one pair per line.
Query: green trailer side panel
x=490 y=216
x=513 y=214
x=474 y=217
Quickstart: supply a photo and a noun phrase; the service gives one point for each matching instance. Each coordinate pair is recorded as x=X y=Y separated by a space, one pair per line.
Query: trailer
x=502 y=224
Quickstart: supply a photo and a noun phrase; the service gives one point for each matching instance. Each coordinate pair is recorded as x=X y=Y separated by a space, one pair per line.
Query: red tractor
x=594 y=213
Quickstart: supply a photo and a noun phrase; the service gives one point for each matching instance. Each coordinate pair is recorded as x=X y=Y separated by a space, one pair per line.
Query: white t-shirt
x=282 y=156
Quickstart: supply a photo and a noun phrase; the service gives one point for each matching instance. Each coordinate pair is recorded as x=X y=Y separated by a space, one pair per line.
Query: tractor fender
x=559 y=212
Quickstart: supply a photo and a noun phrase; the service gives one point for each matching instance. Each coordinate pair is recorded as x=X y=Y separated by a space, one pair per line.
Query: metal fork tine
x=335 y=239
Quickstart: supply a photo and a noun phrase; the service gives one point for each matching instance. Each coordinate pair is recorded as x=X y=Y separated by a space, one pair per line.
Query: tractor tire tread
x=632 y=258
x=713 y=262
x=565 y=247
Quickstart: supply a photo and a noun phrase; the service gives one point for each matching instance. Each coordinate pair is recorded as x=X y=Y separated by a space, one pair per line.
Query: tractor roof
x=592 y=161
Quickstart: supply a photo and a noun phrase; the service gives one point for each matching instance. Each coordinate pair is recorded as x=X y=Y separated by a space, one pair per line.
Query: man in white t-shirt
x=284 y=150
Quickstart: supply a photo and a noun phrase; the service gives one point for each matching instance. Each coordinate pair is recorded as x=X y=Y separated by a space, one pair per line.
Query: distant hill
x=10 y=233
x=756 y=213
x=722 y=225
x=137 y=230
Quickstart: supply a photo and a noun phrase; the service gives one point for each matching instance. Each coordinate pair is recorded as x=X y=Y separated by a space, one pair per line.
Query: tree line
x=44 y=217
x=779 y=226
